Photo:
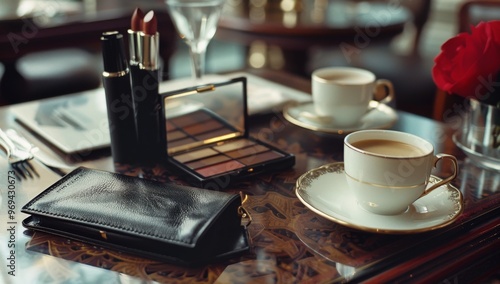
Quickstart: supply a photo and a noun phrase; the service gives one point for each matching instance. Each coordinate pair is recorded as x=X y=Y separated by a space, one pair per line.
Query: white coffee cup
x=389 y=170
x=343 y=94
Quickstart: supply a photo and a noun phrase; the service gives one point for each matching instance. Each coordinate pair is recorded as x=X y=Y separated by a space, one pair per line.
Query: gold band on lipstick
x=115 y=74
x=148 y=48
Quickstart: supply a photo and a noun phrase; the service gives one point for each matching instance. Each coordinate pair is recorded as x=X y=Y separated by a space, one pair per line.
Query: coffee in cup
x=389 y=170
x=343 y=94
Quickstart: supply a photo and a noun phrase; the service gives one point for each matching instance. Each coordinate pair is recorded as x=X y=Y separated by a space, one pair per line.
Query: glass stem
x=198 y=62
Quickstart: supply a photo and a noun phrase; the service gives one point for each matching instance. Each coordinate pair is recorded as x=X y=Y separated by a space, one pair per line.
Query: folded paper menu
x=73 y=123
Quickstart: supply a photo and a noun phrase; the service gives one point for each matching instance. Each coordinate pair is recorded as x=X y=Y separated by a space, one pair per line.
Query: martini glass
x=196 y=23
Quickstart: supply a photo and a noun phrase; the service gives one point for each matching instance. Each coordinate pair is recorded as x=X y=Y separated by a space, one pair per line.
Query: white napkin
x=263 y=95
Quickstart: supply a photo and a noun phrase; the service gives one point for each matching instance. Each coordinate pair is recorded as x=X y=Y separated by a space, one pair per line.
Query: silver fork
x=23 y=143
x=18 y=159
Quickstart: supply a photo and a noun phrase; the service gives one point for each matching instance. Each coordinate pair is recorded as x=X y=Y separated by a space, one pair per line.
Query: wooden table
x=291 y=244
x=291 y=29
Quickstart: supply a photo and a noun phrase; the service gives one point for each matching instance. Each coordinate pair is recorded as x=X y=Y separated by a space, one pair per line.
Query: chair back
x=471 y=12
x=420 y=10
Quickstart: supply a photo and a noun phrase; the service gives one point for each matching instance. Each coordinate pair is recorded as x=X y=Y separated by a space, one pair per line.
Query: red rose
x=468 y=63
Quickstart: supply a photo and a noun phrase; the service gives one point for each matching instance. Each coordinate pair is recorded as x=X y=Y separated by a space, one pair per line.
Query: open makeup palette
x=206 y=136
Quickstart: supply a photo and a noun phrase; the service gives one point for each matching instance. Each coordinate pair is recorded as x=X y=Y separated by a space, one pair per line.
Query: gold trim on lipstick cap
x=149 y=42
x=133 y=34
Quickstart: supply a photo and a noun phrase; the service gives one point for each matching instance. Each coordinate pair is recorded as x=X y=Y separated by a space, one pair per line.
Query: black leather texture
x=164 y=221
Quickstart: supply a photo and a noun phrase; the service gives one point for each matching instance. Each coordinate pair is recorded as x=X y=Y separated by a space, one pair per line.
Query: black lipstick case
x=119 y=103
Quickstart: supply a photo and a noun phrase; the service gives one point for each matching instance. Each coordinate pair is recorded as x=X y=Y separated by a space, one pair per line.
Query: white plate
x=324 y=190
x=381 y=117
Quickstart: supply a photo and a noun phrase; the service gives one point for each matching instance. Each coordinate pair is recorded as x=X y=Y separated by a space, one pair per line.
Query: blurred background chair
x=50 y=73
x=52 y=52
x=470 y=12
x=410 y=72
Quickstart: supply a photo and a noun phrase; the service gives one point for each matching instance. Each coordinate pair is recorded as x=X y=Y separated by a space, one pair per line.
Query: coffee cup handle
x=387 y=87
x=440 y=157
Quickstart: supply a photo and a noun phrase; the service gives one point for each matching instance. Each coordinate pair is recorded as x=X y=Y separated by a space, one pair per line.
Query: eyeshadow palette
x=206 y=136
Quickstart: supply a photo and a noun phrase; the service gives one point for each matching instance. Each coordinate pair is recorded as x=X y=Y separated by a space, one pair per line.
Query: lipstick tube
x=116 y=80
x=145 y=91
x=133 y=37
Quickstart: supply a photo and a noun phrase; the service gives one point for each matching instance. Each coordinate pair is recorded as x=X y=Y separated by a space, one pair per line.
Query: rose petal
x=469 y=60
x=441 y=79
x=494 y=32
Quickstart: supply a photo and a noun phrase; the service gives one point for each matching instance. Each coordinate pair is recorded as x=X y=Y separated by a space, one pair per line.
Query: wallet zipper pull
x=104 y=235
x=246 y=218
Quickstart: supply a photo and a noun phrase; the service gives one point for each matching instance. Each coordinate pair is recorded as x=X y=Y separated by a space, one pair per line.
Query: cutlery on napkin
x=23 y=143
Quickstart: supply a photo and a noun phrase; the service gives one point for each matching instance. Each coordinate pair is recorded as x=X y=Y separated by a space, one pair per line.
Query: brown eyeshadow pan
x=202 y=127
x=175 y=135
x=195 y=155
x=170 y=126
x=247 y=151
x=180 y=142
x=260 y=157
x=208 y=161
x=230 y=146
x=220 y=168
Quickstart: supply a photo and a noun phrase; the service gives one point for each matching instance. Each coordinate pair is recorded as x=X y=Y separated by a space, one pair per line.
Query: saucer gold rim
x=336 y=130
x=305 y=181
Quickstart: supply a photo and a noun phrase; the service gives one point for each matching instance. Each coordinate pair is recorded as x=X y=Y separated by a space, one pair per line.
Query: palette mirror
x=206 y=136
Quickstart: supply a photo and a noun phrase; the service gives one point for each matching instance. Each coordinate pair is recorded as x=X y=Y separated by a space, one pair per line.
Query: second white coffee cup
x=344 y=93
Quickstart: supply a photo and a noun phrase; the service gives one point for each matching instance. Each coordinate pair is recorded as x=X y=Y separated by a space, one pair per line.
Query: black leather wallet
x=164 y=221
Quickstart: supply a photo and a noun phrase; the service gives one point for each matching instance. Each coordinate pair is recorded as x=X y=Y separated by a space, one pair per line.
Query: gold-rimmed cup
x=389 y=170
x=342 y=95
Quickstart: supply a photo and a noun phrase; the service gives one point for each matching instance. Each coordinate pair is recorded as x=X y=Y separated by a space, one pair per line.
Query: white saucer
x=381 y=117
x=324 y=190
